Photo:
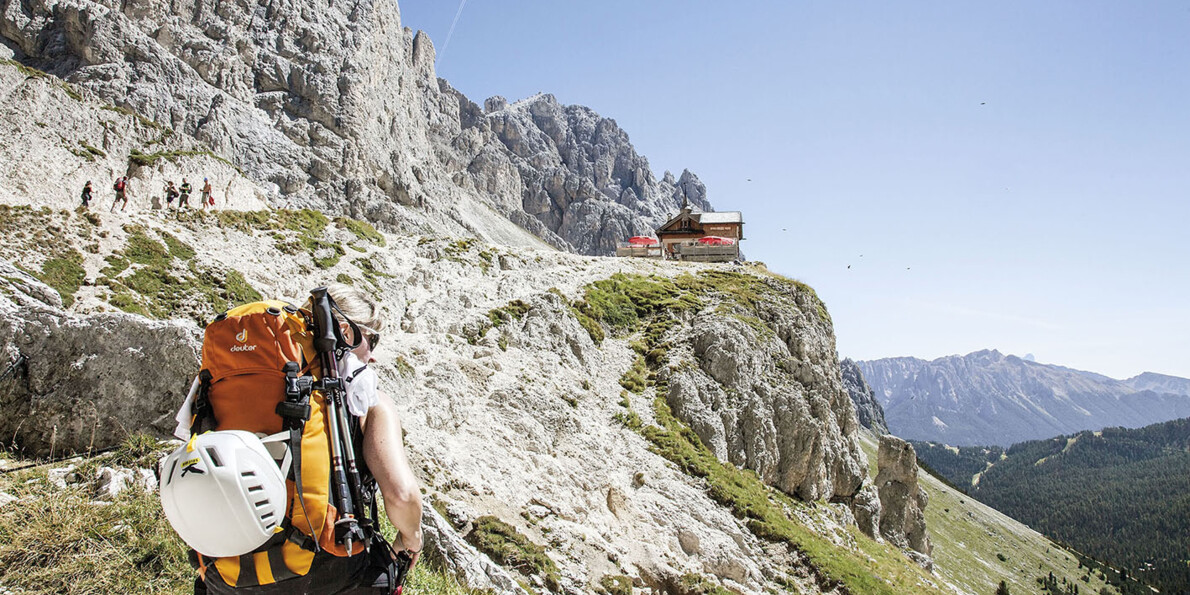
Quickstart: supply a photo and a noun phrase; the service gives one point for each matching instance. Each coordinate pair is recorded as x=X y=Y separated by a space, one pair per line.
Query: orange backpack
x=259 y=373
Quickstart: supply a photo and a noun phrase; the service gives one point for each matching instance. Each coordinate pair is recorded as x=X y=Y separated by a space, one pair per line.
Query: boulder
x=903 y=502
x=76 y=392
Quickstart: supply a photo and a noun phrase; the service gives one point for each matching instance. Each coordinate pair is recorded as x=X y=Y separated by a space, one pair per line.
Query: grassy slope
x=58 y=541
x=969 y=538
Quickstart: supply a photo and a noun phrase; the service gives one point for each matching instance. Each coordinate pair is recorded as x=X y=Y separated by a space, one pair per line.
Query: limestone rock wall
x=59 y=136
x=337 y=106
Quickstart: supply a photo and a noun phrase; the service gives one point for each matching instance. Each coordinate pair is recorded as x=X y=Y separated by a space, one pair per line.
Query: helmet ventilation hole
x=215 y=460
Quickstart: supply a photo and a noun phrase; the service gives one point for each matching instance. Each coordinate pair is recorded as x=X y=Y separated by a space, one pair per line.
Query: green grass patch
x=514 y=310
x=362 y=230
x=371 y=273
x=293 y=231
x=143 y=250
x=92 y=150
x=615 y=584
x=697 y=584
x=460 y=246
x=136 y=157
x=510 y=548
x=139 y=118
x=116 y=264
x=56 y=541
x=65 y=274
x=162 y=280
x=635 y=380
x=177 y=248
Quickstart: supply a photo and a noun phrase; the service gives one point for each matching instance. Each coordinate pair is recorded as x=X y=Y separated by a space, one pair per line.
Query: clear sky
x=1011 y=174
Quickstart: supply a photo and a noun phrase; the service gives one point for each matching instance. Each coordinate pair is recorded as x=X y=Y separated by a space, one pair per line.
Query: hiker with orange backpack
x=280 y=497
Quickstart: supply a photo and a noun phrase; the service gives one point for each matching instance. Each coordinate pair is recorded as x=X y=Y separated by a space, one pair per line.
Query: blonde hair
x=356 y=305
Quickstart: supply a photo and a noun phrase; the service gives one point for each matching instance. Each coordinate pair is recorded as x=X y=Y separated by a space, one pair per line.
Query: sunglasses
x=371 y=336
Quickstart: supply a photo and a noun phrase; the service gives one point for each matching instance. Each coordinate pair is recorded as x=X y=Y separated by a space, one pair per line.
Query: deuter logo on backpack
x=242 y=336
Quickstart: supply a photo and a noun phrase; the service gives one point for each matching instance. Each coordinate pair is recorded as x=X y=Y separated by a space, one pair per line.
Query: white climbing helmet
x=224 y=493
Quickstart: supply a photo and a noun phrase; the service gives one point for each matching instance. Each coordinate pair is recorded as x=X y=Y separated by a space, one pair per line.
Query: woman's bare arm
x=384 y=451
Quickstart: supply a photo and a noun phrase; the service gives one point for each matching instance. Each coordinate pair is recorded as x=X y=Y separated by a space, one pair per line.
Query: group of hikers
x=179 y=193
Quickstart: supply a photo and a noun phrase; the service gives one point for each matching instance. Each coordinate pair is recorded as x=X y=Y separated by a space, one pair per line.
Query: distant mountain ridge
x=986 y=398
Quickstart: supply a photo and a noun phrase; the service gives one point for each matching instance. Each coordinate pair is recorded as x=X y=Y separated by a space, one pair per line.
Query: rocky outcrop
x=462 y=560
x=766 y=395
x=76 y=391
x=903 y=502
x=986 y=397
x=867 y=409
x=337 y=106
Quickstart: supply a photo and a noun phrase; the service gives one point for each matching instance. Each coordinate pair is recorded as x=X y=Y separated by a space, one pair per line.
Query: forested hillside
x=1122 y=496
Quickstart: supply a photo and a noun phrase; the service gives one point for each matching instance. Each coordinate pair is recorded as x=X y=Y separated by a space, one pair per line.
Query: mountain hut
x=680 y=236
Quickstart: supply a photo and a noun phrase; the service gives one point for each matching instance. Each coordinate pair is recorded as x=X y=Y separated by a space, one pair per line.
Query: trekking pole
x=346 y=528
x=21 y=359
x=353 y=476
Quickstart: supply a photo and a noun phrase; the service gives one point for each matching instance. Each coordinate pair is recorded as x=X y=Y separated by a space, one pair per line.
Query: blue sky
x=1015 y=174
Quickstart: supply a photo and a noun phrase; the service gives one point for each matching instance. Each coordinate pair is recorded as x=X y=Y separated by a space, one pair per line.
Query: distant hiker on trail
x=207 y=199
x=87 y=194
x=184 y=199
x=121 y=188
x=171 y=193
x=281 y=530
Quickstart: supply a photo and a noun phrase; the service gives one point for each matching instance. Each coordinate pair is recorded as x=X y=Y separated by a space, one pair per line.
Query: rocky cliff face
x=988 y=398
x=867 y=409
x=337 y=106
x=766 y=397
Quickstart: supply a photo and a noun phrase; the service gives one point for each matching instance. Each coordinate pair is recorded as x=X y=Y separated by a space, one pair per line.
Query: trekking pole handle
x=324 y=323
x=404 y=561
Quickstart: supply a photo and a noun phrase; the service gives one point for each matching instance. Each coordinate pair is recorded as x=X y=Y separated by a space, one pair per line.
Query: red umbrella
x=641 y=241
x=716 y=241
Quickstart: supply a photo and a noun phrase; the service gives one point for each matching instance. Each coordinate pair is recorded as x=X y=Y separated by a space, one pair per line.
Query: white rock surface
x=110 y=481
x=336 y=105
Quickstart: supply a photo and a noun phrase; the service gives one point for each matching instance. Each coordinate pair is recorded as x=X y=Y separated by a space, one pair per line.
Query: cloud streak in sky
x=451 y=32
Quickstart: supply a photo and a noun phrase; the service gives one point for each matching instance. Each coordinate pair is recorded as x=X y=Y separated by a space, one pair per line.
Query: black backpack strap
x=294 y=412
x=204 y=415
